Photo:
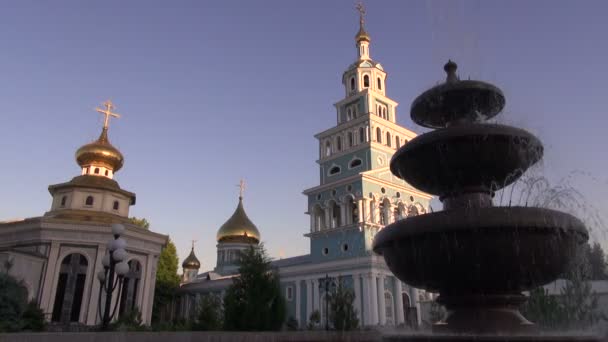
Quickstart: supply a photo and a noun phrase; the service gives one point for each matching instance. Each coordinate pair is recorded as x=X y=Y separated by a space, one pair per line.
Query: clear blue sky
x=214 y=91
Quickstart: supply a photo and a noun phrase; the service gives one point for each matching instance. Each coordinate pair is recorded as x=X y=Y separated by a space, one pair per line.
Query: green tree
x=254 y=302
x=209 y=314
x=544 y=309
x=576 y=307
x=13 y=302
x=314 y=319
x=579 y=302
x=33 y=318
x=437 y=312
x=342 y=313
x=597 y=262
x=167 y=280
x=140 y=222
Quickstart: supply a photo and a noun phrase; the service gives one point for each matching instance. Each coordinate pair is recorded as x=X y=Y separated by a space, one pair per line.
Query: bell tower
x=358 y=194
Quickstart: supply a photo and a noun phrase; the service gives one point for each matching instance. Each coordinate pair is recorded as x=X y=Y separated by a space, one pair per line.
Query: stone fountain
x=478 y=257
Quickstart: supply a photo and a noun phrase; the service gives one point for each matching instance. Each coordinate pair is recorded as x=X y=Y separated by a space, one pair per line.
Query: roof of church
x=238 y=228
x=95 y=182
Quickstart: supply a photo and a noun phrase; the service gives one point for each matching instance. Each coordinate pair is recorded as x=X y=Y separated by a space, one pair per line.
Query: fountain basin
x=492 y=251
x=466 y=158
x=459 y=101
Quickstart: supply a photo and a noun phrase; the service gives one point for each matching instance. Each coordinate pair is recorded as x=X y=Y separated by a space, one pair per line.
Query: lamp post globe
x=118 y=229
x=119 y=255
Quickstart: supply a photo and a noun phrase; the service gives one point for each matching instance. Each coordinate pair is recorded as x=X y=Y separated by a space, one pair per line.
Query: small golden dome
x=100 y=152
x=191 y=261
x=362 y=35
x=239 y=228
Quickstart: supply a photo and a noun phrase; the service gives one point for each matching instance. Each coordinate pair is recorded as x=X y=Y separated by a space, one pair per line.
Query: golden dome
x=191 y=261
x=239 y=228
x=100 y=152
x=362 y=35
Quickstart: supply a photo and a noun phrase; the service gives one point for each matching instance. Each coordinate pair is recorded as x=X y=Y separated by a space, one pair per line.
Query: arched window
x=70 y=288
x=355 y=163
x=336 y=220
x=96 y=171
x=64 y=199
x=388 y=304
x=339 y=143
x=348 y=114
x=349 y=135
x=89 y=200
x=115 y=205
x=319 y=218
x=366 y=81
x=352 y=211
x=379 y=84
x=106 y=173
x=130 y=287
x=378 y=135
x=327 y=149
x=352 y=83
x=361 y=135
x=397 y=141
x=412 y=211
x=334 y=170
x=388 y=139
x=384 y=113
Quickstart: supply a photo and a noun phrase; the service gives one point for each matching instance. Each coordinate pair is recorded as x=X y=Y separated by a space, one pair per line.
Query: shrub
x=13 y=303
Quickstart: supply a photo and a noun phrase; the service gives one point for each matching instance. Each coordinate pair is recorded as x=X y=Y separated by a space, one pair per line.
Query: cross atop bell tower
x=362 y=38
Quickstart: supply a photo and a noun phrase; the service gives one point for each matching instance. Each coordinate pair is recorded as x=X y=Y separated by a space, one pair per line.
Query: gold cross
x=241 y=187
x=107 y=112
x=193 y=241
x=361 y=10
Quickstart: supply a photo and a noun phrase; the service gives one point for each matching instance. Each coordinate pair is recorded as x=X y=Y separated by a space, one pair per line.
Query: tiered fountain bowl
x=478 y=257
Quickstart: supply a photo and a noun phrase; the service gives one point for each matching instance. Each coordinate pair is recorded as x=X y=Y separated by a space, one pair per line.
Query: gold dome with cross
x=100 y=152
x=239 y=227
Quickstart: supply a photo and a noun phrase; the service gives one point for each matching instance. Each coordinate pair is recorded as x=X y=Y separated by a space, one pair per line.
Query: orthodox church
x=356 y=197
x=58 y=255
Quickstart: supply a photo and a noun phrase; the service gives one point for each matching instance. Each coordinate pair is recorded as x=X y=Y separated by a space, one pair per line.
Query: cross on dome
x=107 y=113
x=361 y=10
x=241 y=187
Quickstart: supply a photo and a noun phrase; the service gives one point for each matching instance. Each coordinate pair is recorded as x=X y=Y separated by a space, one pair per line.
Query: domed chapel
x=58 y=255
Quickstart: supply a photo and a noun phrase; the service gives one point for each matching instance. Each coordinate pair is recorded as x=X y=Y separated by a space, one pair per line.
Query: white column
x=327 y=218
x=308 y=298
x=92 y=314
x=47 y=297
x=414 y=302
x=366 y=315
x=357 y=289
x=315 y=290
x=312 y=221
x=297 y=294
x=399 y=302
x=148 y=288
x=381 y=301
x=360 y=209
x=374 y=300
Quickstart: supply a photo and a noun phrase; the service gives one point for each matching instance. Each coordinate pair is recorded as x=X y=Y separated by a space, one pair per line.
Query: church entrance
x=70 y=288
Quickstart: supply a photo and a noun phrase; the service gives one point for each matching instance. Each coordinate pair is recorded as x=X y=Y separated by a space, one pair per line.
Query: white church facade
x=356 y=197
x=58 y=255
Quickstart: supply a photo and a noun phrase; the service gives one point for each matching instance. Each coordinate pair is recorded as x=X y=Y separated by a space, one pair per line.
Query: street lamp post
x=114 y=269
x=324 y=284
